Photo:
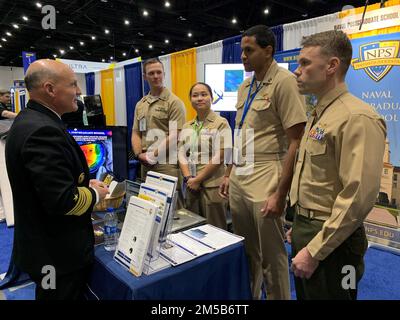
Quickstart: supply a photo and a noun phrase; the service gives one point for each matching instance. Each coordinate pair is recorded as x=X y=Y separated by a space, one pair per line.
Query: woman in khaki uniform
x=201 y=154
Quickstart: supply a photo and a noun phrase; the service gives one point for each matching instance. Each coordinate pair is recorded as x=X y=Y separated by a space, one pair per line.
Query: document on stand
x=136 y=234
x=212 y=237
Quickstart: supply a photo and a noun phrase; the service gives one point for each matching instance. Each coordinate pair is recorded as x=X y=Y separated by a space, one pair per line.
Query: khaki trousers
x=264 y=237
x=208 y=204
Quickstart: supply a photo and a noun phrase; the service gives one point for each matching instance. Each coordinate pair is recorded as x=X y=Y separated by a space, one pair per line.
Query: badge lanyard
x=249 y=101
x=197 y=126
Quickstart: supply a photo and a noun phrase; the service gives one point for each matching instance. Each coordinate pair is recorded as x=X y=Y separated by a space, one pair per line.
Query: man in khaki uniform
x=203 y=141
x=337 y=174
x=159 y=116
x=258 y=188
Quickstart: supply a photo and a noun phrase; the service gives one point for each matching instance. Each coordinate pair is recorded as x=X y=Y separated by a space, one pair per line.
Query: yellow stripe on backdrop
x=183 y=75
x=107 y=95
x=371 y=7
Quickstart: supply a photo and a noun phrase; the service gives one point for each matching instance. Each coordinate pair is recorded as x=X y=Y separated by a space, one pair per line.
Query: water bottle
x=110 y=230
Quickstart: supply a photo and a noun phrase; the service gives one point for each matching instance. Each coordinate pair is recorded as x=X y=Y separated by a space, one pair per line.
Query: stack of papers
x=188 y=245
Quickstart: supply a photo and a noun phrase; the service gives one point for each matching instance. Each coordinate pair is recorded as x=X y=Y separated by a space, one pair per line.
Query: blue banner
x=374 y=77
x=27 y=59
x=289 y=56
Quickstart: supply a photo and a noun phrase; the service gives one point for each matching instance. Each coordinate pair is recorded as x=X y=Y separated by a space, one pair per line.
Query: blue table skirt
x=221 y=275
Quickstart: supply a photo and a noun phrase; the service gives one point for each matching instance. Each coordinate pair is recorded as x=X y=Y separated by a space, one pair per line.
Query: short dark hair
x=333 y=43
x=151 y=61
x=4 y=91
x=204 y=84
x=264 y=36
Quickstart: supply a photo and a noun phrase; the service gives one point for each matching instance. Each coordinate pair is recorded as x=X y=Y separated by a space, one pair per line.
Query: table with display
x=221 y=275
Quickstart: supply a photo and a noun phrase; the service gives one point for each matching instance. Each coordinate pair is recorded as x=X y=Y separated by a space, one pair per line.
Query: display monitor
x=225 y=79
x=94 y=110
x=105 y=150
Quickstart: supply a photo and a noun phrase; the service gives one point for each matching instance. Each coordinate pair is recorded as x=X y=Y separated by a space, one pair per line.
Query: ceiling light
x=70 y=22
x=150 y=46
x=1 y=46
x=9 y=34
x=124 y=54
x=234 y=21
x=126 y=22
x=25 y=18
x=145 y=13
x=81 y=43
x=266 y=11
x=136 y=50
x=166 y=41
x=189 y=34
x=167 y=4
x=15 y=26
x=111 y=58
x=54 y=55
x=38 y=4
x=4 y=39
x=62 y=51
x=71 y=47
x=106 y=31
x=93 y=38
x=103 y=60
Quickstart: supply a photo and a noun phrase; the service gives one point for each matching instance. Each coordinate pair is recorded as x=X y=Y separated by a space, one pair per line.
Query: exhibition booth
x=372 y=77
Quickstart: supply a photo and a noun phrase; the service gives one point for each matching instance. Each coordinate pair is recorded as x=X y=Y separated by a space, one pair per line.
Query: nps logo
x=377 y=58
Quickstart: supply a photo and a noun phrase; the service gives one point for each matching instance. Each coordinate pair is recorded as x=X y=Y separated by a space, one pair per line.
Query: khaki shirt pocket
x=259 y=117
x=161 y=113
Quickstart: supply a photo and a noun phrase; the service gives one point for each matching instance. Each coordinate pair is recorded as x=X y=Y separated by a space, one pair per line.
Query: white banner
x=85 y=66
x=376 y=19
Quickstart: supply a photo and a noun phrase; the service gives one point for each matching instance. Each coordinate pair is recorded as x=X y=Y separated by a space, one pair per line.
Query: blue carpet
x=6 y=241
x=381 y=279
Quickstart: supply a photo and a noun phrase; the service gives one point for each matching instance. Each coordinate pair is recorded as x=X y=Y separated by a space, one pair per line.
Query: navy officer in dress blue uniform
x=53 y=197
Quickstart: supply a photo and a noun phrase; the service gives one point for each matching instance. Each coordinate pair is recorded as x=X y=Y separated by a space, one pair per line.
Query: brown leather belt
x=312 y=214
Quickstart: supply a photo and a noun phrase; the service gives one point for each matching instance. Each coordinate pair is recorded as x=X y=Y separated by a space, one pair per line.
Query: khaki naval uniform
x=207 y=201
x=335 y=185
x=158 y=112
x=276 y=107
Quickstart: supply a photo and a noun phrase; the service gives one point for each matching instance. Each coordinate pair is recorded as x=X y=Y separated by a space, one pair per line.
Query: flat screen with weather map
x=224 y=80
x=105 y=150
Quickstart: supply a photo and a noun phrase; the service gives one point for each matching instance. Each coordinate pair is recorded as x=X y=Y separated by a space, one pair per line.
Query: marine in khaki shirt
x=339 y=157
x=337 y=173
x=265 y=144
x=202 y=143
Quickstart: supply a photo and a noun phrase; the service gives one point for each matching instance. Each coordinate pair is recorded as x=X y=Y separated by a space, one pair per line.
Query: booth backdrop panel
x=210 y=53
x=81 y=82
x=293 y=33
x=119 y=96
x=107 y=95
x=183 y=67
x=231 y=50
x=379 y=85
x=231 y=53
x=166 y=61
x=278 y=32
x=133 y=91
x=97 y=83
x=89 y=83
